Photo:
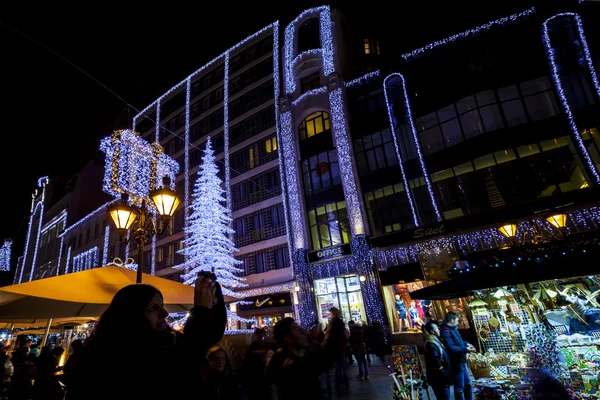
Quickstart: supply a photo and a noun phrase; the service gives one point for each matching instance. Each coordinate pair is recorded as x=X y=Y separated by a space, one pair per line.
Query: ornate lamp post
x=140 y=219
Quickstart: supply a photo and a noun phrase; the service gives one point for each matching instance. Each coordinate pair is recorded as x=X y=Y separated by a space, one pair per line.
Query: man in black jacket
x=457 y=350
x=295 y=373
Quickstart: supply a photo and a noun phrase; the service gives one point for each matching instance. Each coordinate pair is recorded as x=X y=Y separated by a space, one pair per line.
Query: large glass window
x=342 y=292
x=487 y=111
x=385 y=211
x=509 y=176
x=314 y=124
x=375 y=152
x=321 y=171
x=329 y=225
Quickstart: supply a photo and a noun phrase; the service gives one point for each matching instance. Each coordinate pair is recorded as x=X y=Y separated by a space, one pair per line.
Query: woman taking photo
x=437 y=362
x=134 y=354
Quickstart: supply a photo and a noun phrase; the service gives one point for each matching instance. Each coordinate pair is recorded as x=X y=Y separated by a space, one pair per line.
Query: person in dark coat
x=295 y=372
x=167 y=364
x=457 y=349
x=218 y=379
x=437 y=362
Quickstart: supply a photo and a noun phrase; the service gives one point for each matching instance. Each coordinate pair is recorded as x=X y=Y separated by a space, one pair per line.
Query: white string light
x=105 y=251
x=60 y=250
x=290 y=46
x=295 y=201
x=469 y=32
x=346 y=163
x=363 y=79
x=5 y=255
x=38 y=204
x=308 y=94
x=392 y=120
x=417 y=142
x=86 y=260
x=87 y=217
x=68 y=261
x=551 y=53
x=39 y=233
x=285 y=287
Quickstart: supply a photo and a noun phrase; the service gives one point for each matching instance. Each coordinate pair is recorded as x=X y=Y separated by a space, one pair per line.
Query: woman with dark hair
x=437 y=362
x=218 y=379
x=165 y=361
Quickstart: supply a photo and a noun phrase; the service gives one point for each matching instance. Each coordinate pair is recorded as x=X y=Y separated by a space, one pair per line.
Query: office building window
x=321 y=171
x=371 y=46
x=507 y=177
x=329 y=225
x=271 y=144
x=310 y=82
x=281 y=258
x=277 y=216
x=374 y=152
x=383 y=211
x=314 y=124
x=487 y=111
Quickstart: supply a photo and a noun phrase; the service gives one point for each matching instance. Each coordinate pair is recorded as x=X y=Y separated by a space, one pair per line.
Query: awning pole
x=46 y=332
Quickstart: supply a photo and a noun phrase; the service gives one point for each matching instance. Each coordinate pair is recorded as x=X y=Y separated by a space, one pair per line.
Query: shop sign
x=329 y=253
x=425 y=232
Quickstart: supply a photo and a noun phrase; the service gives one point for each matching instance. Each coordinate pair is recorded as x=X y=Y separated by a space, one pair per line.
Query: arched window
x=308 y=35
x=314 y=124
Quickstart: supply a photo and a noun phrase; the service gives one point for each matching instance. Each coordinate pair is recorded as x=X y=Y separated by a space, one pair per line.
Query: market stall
x=533 y=307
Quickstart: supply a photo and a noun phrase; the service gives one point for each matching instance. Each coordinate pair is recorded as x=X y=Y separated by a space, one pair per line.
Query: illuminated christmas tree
x=208 y=244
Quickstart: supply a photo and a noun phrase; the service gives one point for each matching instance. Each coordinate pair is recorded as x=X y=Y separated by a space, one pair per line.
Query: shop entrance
x=342 y=292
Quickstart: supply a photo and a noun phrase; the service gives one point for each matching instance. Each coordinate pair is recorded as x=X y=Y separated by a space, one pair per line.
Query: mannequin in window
x=401 y=310
x=414 y=316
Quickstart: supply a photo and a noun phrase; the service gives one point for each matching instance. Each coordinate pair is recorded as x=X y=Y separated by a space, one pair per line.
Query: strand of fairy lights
x=28 y=237
x=417 y=142
x=363 y=79
x=68 y=260
x=344 y=153
x=86 y=218
x=468 y=33
x=392 y=120
x=551 y=53
x=39 y=233
x=60 y=251
x=226 y=131
x=86 y=260
x=290 y=45
x=282 y=178
x=105 y=247
x=310 y=93
x=5 y=251
x=186 y=157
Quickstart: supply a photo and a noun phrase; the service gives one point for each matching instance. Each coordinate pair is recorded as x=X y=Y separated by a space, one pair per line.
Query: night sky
x=54 y=115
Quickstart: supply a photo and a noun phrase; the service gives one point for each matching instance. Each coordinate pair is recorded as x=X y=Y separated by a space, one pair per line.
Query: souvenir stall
x=534 y=307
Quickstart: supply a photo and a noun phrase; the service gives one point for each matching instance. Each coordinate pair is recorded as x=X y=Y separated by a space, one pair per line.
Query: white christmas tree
x=208 y=245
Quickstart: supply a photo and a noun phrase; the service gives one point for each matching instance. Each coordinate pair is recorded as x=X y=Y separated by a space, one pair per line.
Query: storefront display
x=342 y=292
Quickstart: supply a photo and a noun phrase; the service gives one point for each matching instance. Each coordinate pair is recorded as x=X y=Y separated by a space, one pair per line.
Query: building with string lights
x=358 y=171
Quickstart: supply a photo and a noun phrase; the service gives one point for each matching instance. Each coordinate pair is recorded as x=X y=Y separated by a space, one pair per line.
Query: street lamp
x=140 y=219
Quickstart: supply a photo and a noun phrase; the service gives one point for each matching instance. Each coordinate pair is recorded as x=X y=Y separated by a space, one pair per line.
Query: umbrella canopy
x=83 y=294
x=32 y=323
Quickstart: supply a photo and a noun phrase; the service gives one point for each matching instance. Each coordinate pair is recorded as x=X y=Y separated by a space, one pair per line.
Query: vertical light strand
x=28 y=237
x=106 y=239
x=281 y=166
x=344 y=150
x=289 y=155
x=153 y=247
x=559 y=84
x=413 y=128
x=62 y=240
x=37 y=240
x=68 y=261
x=392 y=119
x=226 y=133
x=326 y=41
x=186 y=163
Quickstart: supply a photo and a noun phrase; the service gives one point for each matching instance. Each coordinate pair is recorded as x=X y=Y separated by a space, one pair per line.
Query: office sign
x=329 y=253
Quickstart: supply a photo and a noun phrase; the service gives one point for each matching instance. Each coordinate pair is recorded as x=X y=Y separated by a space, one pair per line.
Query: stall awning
x=559 y=260
x=82 y=294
